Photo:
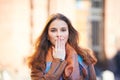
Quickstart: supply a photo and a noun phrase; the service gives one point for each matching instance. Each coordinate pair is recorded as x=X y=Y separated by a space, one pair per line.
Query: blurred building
x=21 y=21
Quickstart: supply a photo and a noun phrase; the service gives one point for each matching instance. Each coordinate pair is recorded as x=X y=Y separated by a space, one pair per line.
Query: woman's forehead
x=58 y=23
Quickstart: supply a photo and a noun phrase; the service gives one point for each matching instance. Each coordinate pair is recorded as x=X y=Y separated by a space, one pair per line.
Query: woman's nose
x=58 y=34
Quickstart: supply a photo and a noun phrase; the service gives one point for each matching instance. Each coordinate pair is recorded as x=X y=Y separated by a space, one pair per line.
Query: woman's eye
x=53 y=30
x=63 y=29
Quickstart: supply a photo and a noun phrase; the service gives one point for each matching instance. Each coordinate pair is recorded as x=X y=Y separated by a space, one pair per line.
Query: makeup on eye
x=53 y=29
x=61 y=29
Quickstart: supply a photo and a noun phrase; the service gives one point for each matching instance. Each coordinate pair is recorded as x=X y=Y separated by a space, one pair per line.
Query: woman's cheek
x=53 y=42
x=66 y=39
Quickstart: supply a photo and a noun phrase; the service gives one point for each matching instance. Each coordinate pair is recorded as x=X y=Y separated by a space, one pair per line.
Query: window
x=95 y=33
x=97 y=3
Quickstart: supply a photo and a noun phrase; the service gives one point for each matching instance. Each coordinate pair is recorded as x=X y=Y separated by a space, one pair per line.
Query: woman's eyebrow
x=63 y=27
x=53 y=28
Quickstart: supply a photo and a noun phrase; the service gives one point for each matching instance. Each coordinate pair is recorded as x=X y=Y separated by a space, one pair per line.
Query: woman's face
x=58 y=29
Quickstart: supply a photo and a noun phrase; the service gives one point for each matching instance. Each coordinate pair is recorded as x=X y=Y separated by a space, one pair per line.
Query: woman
x=57 y=55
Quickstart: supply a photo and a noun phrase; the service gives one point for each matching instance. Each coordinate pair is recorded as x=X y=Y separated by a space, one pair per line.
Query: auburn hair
x=37 y=60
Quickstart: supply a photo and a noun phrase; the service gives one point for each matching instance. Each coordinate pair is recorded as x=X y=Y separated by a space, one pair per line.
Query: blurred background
x=21 y=22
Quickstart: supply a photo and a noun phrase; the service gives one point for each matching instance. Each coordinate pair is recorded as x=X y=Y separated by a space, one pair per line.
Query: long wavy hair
x=37 y=60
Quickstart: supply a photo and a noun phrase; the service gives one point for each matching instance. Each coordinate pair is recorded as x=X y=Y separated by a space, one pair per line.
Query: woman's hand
x=59 y=49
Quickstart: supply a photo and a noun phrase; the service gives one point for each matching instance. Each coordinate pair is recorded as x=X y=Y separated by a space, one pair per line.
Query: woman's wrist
x=59 y=56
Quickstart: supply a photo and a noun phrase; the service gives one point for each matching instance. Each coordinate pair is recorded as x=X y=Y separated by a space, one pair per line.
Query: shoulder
x=91 y=56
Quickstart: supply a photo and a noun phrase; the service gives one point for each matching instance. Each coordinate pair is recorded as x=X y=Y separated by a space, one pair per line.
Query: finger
x=62 y=43
x=58 y=47
x=56 y=44
x=59 y=43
